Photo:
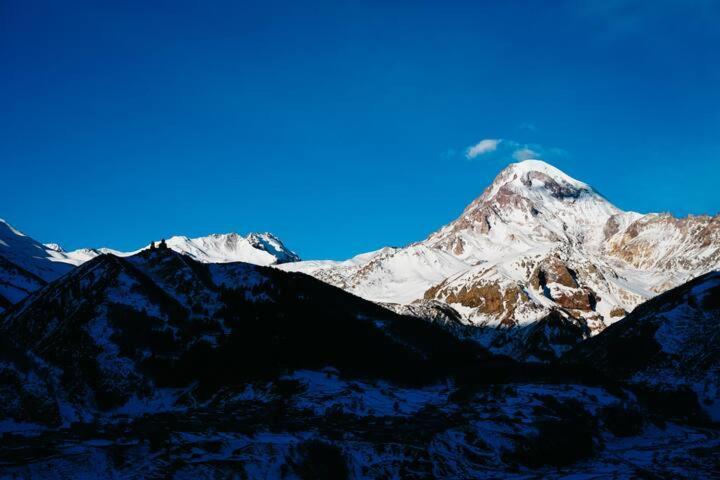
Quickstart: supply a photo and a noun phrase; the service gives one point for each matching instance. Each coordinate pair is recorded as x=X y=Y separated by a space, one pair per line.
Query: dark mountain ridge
x=117 y=328
x=156 y=365
x=669 y=343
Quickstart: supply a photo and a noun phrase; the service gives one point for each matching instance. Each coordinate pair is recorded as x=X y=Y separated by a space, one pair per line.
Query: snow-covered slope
x=536 y=241
x=397 y=275
x=256 y=248
x=125 y=363
x=41 y=260
x=529 y=204
x=669 y=342
x=25 y=265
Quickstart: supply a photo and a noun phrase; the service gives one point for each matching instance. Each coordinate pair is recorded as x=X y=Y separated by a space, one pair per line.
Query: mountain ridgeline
x=536 y=242
x=26 y=264
x=543 y=331
x=119 y=328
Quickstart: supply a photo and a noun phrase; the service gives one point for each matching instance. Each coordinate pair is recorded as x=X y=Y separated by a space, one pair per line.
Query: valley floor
x=316 y=425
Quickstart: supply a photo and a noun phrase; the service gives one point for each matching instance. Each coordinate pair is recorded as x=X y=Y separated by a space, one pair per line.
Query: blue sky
x=343 y=126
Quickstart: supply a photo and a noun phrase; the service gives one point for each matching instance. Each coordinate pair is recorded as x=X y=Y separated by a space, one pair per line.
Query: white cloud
x=503 y=148
x=525 y=153
x=482 y=147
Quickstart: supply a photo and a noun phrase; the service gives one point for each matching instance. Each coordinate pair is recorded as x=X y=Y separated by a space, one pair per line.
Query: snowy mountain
x=46 y=262
x=159 y=366
x=536 y=248
x=536 y=241
x=256 y=248
x=398 y=275
x=156 y=365
x=26 y=265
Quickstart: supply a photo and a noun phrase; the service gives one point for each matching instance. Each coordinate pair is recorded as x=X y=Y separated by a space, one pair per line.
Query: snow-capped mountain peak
x=537 y=174
x=530 y=204
x=541 y=190
x=256 y=248
x=535 y=241
x=54 y=247
x=273 y=245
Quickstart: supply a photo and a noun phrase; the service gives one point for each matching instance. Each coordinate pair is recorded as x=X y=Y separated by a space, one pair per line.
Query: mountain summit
x=256 y=248
x=528 y=203
x=536 y=242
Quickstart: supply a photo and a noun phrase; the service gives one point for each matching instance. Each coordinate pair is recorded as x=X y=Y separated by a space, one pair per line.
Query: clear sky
x=343 y=126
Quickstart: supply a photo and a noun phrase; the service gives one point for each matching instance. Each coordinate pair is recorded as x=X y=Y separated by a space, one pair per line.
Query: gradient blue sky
x=342 y=126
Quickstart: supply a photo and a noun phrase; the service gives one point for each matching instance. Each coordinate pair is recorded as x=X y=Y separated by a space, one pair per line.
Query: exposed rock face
x=488 y=298
x=492 y=303
x=553 y=270
x=580 y=299
x=676 y=246
x=558 y=189
x=612 y=226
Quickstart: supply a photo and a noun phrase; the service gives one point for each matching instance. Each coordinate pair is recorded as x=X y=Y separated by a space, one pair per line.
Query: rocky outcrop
x=553 y=270
x=674 y=246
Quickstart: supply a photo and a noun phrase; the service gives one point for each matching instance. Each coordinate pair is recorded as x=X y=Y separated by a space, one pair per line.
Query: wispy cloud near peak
x=482 y=147
x=500 y=147
x=525 y=153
